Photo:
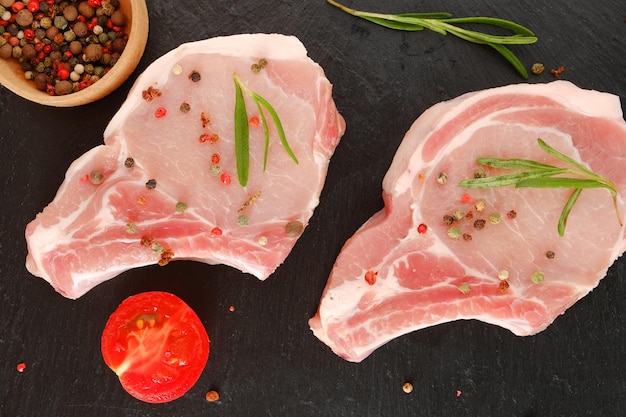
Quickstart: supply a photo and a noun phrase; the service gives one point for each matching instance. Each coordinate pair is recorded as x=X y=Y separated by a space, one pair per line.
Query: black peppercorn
x=151 y=184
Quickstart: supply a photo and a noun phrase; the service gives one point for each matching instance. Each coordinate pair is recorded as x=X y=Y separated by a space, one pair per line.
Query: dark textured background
x=264 y=360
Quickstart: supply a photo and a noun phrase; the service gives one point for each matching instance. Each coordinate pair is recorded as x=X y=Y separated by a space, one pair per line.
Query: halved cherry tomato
x=157 y=346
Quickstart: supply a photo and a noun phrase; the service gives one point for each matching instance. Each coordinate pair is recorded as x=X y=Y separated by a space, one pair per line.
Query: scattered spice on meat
x=503 y=274
x=469 y=215
x=447 y=219
x=184 y=107
x=480 y=205
x=407 y=387
x=151 y=184
x=458 y=215
x=214 y=170
x=131 y=228
x=370 y=277
x=511 y=214
x=213 y=396
x=464 y=287
x=480 y=174
x=467 y=237
x=294 y=228
x=254 y=121
x=467 y=199
x=250 y=201
x=537 y=68
x=150 y=93
x=537 y=277
x=442 y=178
x=262 y=240
x=181 y=207
x=503 y=286
x=215 y=158
x=160 y=112
x=422 y=228
x=454 y=232
x=550 y=254
x=479 y=224
x=156 y=248
x=243 y=220
x=216 y=231
x=177 y=69
x=258 y=66
x=205 y=119
x=195 y=76
x=129 y=162
x=558 y=71
x=142 y=200
x=166 y=257
x=96 y=177
x=225 y=178
x=146 y=241
x=494 y=218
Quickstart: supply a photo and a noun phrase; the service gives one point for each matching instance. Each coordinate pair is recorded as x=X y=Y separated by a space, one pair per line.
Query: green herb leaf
x=540 y=175
x=242 y=136
x=444 y=23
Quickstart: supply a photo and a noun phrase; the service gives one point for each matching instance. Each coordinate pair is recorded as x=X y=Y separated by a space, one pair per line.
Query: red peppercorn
x=225 y=178
x=29 y=34
x=160 y=112
x=33 y=6
x=47 y=49
x=63 y=73
x=14 y=41
x=370 y=277
x=216 y=231
x=95 y=3
x=17 y=6
x=21 y=367
x=215 y=158
x=254 y=121
x=422 y=228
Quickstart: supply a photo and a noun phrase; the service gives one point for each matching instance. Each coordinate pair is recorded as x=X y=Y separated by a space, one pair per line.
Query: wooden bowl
x=12 y=75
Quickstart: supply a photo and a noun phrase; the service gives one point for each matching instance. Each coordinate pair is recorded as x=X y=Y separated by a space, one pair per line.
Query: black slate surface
x=264 y=361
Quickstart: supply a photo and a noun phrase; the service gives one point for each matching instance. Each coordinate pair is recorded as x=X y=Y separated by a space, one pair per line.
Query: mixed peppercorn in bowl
x=67 y=53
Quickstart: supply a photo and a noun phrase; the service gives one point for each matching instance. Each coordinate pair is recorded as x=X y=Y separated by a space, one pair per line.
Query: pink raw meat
x=177 y=124
x=425 y=277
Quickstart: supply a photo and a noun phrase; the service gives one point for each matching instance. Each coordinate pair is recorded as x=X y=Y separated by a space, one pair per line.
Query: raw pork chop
x=179 y=196
x=401 y=271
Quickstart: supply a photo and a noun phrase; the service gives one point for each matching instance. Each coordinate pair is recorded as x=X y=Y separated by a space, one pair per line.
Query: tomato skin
x=157 y=346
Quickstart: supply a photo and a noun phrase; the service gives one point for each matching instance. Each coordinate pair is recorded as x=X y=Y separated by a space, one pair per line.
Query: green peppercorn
x=69 y=35
x=98 y=71
x=60 y=22
x=103 y=38
x=181 y=207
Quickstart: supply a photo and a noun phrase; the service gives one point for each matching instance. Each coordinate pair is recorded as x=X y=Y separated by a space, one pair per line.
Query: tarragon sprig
x=539 y=175
x=242 y=132
x=444 y=23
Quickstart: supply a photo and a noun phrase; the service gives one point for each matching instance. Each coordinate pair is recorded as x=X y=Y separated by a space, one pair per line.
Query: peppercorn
x=70 y=13
x=81 y=29
x=24 y=17
x=76 y=47
x=129 y=162
x=92 y=52
x=151 y=184
x=118 y=18
x=194 y=76
x=86 y=10
x=6 y=51
x=118 y=45
x=294 y=228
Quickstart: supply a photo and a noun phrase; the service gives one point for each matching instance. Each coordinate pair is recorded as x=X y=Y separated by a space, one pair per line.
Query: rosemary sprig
x=444 y=23
x=539 y=175
x=242 y=133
